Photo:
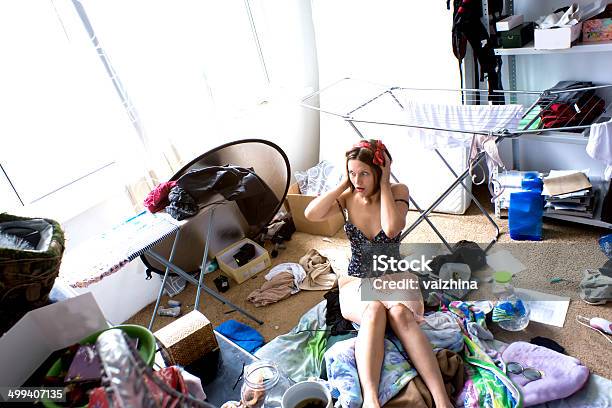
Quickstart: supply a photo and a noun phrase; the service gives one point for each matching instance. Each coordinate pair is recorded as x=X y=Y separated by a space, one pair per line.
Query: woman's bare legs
x=370 y=349
x=419 y=350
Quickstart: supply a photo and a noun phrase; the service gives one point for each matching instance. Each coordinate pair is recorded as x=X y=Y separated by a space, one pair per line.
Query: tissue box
x=517 y=37
x=187 y=339
x=509 y=23
x=599 y=29
x=297 y=204
x=230 y=267
x=556 y=38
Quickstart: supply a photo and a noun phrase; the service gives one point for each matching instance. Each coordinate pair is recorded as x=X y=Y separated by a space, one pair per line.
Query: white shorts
x=353 y=306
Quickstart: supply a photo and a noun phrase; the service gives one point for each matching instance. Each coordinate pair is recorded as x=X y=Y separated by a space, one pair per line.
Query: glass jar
x=502 y=285
x=510 y=312
x=263 y=386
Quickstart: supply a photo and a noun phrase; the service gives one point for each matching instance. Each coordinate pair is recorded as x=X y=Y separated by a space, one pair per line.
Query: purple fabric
x=563 y=375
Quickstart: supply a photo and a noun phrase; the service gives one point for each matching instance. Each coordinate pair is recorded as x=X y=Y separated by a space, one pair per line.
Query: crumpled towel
x=296 y=269
x=243 y=335
x=277 y=288
x=443 y=331
x=342 y=373
x=319 y=274
x=157 y=199
x=417 y=395
x=595 y=287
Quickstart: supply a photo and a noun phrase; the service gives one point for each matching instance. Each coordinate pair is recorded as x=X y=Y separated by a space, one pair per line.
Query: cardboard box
x=42 y=331
x=187 y=339
x=229 y=267
x=599 y=29
x=298 y=203
x=556 y=38
x=509 y=23
x=517 y=37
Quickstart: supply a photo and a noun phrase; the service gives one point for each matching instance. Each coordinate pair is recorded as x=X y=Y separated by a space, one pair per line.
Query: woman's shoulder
x=399 y=190
x=346 y=195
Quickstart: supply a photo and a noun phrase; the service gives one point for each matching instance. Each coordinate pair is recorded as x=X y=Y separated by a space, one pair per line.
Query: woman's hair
x=369 y=152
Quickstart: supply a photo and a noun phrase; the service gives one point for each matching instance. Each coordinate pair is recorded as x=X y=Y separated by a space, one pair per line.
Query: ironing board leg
x=204 y=258
x=163 y=285
x=478 y=204
x=192 y=280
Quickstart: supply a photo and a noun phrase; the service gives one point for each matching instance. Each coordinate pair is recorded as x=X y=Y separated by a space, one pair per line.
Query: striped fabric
x=107 y=253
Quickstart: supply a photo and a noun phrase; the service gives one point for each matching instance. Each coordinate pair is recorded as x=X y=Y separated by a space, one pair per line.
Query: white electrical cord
x=578 y=317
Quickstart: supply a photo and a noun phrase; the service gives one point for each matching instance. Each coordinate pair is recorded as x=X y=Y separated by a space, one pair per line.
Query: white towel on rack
x=460 y=118
x=599 y=146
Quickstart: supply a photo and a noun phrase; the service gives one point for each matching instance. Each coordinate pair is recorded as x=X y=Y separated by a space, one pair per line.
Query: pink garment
x=562 y=375
x=157 y=199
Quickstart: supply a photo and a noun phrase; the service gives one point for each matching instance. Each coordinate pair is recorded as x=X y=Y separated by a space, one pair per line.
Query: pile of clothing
x=313 y=272
x=184 y=197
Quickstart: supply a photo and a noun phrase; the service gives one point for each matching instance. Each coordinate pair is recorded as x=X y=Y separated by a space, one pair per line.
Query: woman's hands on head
x=386 y=170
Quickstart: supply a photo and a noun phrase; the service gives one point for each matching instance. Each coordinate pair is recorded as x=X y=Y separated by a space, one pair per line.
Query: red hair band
x=378 y=150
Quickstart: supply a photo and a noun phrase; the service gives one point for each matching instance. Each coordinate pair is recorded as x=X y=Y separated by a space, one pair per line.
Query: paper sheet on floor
x=545 y=308
x=504 y=261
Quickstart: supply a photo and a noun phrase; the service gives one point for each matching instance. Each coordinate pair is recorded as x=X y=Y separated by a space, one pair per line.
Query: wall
x=393 y=43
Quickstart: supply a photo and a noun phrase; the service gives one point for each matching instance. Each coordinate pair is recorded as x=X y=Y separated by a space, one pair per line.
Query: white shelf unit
x=510 y=55
x=605 y=46
x=558 y=137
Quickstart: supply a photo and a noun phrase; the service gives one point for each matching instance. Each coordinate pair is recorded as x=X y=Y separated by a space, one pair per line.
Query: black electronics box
x=518 y=36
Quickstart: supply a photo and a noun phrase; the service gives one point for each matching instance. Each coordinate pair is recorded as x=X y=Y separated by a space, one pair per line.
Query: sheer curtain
x=190 y=71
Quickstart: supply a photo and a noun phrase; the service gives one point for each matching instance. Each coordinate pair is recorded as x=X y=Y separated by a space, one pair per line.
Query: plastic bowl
x=146 y=349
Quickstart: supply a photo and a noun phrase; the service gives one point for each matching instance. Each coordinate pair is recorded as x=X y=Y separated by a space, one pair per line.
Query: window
x=165 y=77
x=62 y=120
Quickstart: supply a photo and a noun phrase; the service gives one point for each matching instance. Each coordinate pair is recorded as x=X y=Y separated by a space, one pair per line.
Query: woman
x=375 y=212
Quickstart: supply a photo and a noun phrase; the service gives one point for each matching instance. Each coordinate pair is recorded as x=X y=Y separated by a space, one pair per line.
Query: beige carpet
x=567 y=249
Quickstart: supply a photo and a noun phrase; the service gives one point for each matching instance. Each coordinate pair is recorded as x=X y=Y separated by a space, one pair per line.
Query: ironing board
x=129 y=240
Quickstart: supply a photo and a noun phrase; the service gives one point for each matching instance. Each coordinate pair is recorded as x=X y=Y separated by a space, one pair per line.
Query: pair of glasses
x=529 y=373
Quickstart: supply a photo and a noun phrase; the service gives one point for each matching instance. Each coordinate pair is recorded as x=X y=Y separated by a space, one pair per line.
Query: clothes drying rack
x=354 y=102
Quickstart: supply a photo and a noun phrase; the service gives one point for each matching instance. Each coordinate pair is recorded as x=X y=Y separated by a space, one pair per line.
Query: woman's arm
x=392 y=213
x=325 y=205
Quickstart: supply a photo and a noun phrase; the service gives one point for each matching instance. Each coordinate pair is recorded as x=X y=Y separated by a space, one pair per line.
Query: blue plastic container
x=526 y=210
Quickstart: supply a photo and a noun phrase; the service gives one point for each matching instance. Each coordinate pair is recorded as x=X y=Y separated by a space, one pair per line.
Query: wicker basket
x=26 y=277
x=187 y=339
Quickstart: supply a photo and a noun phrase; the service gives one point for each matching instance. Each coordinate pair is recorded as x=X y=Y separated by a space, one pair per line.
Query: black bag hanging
x=467 y=27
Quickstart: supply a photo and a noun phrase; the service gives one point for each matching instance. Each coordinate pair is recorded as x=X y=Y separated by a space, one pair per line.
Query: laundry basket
x=27 y=275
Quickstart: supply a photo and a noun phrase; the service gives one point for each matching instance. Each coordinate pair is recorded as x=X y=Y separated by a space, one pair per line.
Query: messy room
x=306 y=204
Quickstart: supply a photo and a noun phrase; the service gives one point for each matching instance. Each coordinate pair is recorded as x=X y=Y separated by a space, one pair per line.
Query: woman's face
x=362 y=177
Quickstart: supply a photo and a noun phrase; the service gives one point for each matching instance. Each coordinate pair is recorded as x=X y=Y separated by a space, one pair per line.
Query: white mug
x=305 y=390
